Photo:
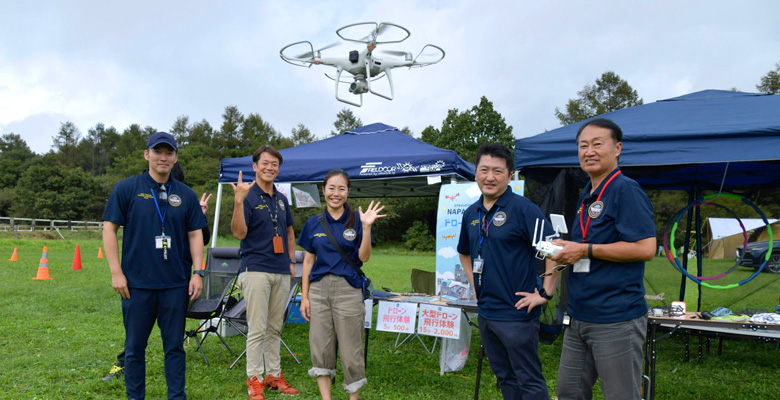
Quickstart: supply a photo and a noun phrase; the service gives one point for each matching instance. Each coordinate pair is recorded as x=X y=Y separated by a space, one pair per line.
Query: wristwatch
x=292 y=261
x=544 y=294
x=200 y=272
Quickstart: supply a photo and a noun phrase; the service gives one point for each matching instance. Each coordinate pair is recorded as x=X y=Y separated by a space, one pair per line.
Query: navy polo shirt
x=611 y=291
x=314 y=240
x=257 y=247
x=509 y=257
x=132 y=205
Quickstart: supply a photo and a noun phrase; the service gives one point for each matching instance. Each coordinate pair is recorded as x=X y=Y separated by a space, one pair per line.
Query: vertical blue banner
x=454 y=199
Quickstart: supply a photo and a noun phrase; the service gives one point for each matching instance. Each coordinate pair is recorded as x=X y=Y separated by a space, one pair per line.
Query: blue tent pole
x=698 y=251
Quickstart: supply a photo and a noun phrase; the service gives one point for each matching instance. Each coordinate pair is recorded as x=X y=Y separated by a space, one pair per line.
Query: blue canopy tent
x=708 y=140
x=381 y=162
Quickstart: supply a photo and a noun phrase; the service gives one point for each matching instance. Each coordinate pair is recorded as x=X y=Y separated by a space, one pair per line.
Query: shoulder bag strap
x=348 y=259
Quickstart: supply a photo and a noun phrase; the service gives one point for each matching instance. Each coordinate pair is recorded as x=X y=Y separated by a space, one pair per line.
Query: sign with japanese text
x=396 y=317
x=439 y=321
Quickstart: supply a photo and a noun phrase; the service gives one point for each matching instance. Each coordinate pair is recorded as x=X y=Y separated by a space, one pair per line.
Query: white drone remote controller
x=545 y=248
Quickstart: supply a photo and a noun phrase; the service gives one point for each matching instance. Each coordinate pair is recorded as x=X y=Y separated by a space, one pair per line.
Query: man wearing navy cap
x=162 y=242
x=612 y=237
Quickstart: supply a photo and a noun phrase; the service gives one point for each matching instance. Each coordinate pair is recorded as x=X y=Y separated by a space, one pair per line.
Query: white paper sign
x=439 y=321
x=369 y=304
x=306 y=195
x=396 y=317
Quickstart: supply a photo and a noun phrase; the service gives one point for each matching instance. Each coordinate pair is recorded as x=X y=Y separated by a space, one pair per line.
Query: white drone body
x=365 y=65
x=545 y=248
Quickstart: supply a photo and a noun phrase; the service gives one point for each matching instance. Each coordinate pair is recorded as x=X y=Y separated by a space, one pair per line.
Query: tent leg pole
x=214 y=231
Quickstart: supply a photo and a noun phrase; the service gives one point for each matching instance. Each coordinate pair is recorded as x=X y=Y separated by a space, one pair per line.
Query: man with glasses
x=263 y=221
x=161 y=246
x=497 y=253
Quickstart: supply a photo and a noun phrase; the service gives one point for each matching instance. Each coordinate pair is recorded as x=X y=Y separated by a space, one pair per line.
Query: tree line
x=73 y=180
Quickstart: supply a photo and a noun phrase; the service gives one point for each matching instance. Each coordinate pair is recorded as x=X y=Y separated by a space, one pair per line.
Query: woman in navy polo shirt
x=332 y=290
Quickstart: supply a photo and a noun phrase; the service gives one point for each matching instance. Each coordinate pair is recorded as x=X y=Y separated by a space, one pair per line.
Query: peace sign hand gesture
x=241 y=189
x=204 y=202
x=372 y=213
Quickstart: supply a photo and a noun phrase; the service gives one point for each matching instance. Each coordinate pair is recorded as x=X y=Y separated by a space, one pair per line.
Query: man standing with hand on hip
x=162 y=243
x=262 y=220
x=612 y=237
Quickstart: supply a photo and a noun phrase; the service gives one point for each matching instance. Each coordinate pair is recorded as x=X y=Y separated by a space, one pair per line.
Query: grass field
x=59 y=337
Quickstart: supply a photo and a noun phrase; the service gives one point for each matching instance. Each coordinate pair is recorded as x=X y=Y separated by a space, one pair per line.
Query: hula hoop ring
x=733 y=285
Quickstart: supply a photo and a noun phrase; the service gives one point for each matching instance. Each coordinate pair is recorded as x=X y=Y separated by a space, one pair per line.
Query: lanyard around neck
x=487 y=227
x=582 y=207
x=274 y=215
x=157 y=206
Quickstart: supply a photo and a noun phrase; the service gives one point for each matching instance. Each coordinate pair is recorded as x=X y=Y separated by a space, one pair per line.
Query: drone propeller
x=310 y=54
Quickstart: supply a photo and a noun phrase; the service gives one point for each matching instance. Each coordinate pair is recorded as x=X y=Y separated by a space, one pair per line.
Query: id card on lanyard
x=277 y=241
x=162 y=242
x=478 y=264
x=583 y=265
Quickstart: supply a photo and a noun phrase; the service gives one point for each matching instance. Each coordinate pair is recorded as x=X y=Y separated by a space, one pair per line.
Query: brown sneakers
x=279 y=384
x=255 y=387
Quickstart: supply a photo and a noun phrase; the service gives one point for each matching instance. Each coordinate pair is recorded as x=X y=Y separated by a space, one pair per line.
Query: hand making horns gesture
x=371 y=214
x=241 y=189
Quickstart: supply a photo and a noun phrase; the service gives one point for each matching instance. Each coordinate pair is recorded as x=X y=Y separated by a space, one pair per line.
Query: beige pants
x=266 y=300
x=337 y=313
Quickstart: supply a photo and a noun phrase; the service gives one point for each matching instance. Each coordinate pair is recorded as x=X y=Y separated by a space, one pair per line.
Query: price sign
x=396 y=317
x=439 y=321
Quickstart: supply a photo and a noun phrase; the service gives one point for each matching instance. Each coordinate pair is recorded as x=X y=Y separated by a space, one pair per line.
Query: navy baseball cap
x=160 y=138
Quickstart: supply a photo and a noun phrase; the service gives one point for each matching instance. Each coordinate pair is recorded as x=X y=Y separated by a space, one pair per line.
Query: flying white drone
x=366 y=65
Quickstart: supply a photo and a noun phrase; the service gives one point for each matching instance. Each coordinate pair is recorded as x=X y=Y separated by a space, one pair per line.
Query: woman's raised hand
x=372 y=213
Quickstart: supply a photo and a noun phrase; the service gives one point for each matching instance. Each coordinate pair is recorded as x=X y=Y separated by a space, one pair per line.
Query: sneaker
x=255 y=388
x=115 y=372
x=279 y=384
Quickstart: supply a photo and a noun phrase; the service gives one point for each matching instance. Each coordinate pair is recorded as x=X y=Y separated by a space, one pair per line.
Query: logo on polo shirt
x=260 y=207
x=499 y=218
x=475 y=222
x=281 y=204
x=174 y=200
x=350 y=234
x=596 y=209
x=320 y=235
x=146 y=196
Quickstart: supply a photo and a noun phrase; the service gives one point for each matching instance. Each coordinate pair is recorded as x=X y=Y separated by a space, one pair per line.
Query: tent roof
x=381 y=162
x=725 y=227
x=676 y=143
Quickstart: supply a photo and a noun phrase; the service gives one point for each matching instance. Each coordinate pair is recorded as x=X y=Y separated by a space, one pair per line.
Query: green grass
x=59 y=337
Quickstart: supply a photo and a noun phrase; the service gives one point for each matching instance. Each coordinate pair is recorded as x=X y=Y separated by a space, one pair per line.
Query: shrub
x=417 y=237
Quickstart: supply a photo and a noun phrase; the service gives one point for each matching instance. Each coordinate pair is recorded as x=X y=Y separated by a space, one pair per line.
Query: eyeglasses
x=557 y=268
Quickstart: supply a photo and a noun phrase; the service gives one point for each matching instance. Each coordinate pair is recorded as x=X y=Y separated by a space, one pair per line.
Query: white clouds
x=149 y=62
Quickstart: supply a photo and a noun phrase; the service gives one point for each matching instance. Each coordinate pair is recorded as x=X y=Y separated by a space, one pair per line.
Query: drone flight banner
x=454 y=199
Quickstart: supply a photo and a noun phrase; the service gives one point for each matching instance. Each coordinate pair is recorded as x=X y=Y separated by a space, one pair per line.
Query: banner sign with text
x=439 y=321
x=396 y=317
x=454 y=199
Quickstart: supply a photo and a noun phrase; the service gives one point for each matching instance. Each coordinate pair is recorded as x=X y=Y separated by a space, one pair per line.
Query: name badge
x=162 y=241
x=477 y=265
x=582 y=266
x=278 y=245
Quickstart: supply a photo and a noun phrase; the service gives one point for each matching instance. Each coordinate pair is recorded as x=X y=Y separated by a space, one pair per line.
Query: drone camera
x=354 y=56
x=358 y=86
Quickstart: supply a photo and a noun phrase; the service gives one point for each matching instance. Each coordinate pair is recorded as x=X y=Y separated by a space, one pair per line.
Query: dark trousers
x=512 y=347
x=168 y=307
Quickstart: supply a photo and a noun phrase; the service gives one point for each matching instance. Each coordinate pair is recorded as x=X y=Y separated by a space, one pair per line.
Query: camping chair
x=222 y=266
x=236 y=315
x=422 y=282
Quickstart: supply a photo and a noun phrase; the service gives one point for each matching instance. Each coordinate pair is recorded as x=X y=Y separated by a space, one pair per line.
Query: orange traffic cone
x=100 y=252
x=77 y=259
x=43 y=268
x=14 y=257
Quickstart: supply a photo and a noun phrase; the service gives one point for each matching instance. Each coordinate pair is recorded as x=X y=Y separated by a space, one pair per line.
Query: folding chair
x=422 y=282
x=237 y=314
x=222 y=266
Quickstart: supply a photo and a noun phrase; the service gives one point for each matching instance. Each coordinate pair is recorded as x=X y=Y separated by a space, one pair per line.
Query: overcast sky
x=148 y=62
